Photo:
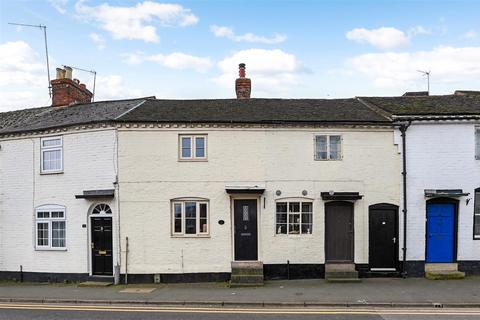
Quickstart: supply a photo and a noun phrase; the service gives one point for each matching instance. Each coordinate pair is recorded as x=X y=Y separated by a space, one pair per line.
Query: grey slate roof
x=54 y=117
x=429 y=105
x=255 y=111
x=364 y=110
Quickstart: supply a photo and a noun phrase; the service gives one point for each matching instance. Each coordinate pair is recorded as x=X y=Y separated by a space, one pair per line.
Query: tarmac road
x=15 y=311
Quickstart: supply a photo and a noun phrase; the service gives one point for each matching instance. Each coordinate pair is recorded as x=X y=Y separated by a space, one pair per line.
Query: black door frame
x=90 y=239
x=455 y=203
x=232 y=218
x=330 y=203
x=385 y=206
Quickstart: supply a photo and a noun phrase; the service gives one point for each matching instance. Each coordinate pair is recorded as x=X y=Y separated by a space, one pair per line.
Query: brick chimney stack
x=67 y=91
x=243 y=86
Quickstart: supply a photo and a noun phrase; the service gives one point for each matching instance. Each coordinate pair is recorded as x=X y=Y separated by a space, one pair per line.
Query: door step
x=246 y=274
x=445 y=275
x=433 y=267
x=94 y=284
x=341 y=272
x=101 y=279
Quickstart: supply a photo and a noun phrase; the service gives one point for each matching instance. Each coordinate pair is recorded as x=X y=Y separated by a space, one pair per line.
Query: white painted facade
x=441 y=155
x=276 y=158
x=89 y=162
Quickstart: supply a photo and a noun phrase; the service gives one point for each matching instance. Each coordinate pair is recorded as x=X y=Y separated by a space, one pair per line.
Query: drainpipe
x=403 y=129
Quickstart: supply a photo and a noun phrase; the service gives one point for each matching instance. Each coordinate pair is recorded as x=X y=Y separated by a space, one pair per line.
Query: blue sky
x=191 y=49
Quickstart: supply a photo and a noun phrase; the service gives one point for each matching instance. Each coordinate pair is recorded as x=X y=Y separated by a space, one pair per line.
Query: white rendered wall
x=89 y=163
x=278 y=159
x=441 y=156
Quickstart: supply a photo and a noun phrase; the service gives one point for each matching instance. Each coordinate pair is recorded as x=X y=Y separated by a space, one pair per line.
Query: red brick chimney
x=243 y=86
x=67 y=91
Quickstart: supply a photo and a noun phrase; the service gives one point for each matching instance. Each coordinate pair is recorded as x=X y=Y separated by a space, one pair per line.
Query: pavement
x=379 y=292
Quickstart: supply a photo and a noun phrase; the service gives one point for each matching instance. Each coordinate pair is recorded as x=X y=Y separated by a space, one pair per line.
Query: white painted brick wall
x=279 y=159
x=441 y=156
x=89 y=159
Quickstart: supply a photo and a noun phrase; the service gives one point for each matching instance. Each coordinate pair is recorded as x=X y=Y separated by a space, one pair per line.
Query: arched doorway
x=101 y=240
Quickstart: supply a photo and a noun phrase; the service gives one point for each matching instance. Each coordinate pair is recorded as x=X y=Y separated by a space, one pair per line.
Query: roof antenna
x=94 y=78
x=46 y=48
x=427 y=74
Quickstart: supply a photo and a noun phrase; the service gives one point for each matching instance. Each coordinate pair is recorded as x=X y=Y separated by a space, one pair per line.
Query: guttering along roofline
x=427 y=117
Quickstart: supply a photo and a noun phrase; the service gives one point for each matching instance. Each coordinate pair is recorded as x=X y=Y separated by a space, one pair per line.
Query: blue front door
x=440 y=232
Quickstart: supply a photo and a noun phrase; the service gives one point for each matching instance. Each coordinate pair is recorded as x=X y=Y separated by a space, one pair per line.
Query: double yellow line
x=226 y=310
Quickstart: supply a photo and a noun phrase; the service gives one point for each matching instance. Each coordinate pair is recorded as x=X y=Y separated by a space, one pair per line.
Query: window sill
x=294 y=235
x=50 y=249
x=192 y=160
x=193 y=236
x=50 y=172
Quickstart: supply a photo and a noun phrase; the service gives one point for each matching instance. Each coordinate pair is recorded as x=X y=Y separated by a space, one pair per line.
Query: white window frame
x=51 y=148
x=48 y=221
x=182 y=233
x=477 y=143
x=328 y=147
x=476 y=211
x=193 y=147
x=288 y=201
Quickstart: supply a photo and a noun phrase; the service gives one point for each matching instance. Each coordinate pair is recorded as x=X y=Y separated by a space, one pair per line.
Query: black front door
x=245 y=222
x=102 y=263
x=383 y=236
x=339 y=231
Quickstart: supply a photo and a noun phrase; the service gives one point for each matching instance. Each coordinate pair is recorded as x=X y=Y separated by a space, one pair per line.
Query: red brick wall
x=67 y=91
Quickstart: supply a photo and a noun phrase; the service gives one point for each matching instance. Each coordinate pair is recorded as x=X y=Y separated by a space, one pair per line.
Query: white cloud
x=59 y=5
x=136 y=22
x=98 y=40
x=416 y=30
x=175 y=60
x=23 y=79
x=273 y=72
x=470 y=34
x=447 y=65
x=114 y=87
x=383 y=38
x=226 y=32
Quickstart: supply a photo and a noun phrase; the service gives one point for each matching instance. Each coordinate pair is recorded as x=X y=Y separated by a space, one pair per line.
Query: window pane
x=177 y=212
x=52 y=160
x=335 y=147
x=306 y=207
x=200 y=147
x=477 y=201
x=294 y=228
x=294 y=206
x=321 y=147
x=186 y=147
x=58 y=214
x=190 y=217
x=477 y=143
x=58 y=234
x=52 y=142
x=282 y=228
x=306 y=228
x=43 y=214
x=203 y=218
x=42 y=234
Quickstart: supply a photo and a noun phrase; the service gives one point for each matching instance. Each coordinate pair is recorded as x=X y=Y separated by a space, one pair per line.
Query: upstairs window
x=328 y=147
x=51 y=154
x=476 y=215
x=190 y=217
x=50 y=227
x=294 y=217
x=477 y=143
x=193 y=147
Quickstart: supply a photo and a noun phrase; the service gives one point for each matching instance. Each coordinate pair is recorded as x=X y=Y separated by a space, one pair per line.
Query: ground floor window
x=190 y=217
x=294 y=217
x=476 y=215
x=50 y=227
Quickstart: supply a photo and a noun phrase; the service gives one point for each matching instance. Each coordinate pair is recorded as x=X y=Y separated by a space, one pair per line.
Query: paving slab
x=307 y=292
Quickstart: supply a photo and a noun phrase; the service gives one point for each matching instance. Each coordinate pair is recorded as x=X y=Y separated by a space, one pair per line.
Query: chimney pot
x=243 y=85
x=67 y=91
x=68 y=73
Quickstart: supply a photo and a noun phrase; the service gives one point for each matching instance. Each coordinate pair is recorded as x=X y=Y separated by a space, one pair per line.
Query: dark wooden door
x=339 y=231
x=102 y=263
x=245 y=226
x=383 y=237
